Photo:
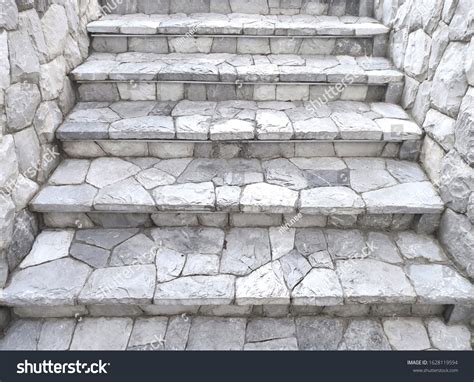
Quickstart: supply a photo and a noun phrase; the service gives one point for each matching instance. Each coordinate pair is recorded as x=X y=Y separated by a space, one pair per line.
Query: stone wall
x=40 y=42
x=431 y=42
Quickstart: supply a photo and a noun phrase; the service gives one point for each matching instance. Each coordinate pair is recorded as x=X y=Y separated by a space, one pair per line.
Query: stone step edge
x=238 y=83
x=140 y=26
x=159 y=268
x=252 y=36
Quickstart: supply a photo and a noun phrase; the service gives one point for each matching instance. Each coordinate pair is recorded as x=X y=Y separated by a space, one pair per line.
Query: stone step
x=239 y=33
x=312 y=186
x=262 y=7
x=241 y=271
x=221 y=76
x=141 y=122
x=236 y=333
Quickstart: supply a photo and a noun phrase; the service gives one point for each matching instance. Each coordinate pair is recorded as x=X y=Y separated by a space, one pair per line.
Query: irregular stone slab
x=70 y=172
x=105 y=238
x=370 y=282
x=265 y=286
x=134 y=284
x=364 y=335
x=193 y=127
x=102 y=334
x=232 y=129
x=56 y=334
x=295 y=267
x=127 y=195
x=22 y=335
x=49 y=245
x=153 y=127
x=93 y=256
x=196 y=290
x=228 y=198
x=273 y=125
x=346 y=244
x=408 y=198
x=216 y=334
x=138 y=250
x=169 y=264
x=407 y=334
x=246 y=250
x=381 y=247
x=440 y=284
x=316 y=128
x=414 y=247
x=64 y=198
x=55 y=283
x=319 y=333
x=445 y=337
x=310 y=240
x=186 y=197
x=190 y=240
x=282 y=241
x=283 y=173
x=263 y=197
x=331 y=200
x=198 y=264
x=148 y=334
x=265 y=329
x=106 y=171
x=363 y=181
x=406 y=172
x=177 y=333
x=320 y=287
x=153 y=177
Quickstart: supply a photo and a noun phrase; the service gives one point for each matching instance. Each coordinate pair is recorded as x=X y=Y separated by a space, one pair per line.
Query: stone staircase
x=238 y=158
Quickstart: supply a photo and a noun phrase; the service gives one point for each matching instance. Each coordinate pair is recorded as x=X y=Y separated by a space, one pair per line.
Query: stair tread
x=236 y=69
x=315 y=186
x=238 y=24
x=241 y=266
x=239 y=121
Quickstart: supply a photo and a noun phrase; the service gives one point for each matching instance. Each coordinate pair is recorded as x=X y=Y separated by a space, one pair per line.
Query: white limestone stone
x=134 y=284
x=320 y=287
x=370 y=281
x=439 y=284
x=102 y=334
x=187 y=197
x=49 y=245
x=329 y=200
x=265 y=286
x=446 y=337
x=107 y=171
x=415 y=247
x=282 y=241
x=415 y=197
x=408 y=334
x=263 y=197
x=55 y=283
x=196 y=290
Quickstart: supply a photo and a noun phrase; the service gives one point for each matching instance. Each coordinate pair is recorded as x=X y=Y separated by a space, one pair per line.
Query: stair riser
x=92 y=149
x=264 y=7
x=150 y=91
x=389 y=222
x=243 y=45
x=381 y=310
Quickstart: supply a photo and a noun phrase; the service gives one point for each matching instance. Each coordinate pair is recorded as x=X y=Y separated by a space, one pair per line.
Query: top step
x=261 y=7
x=238 y=24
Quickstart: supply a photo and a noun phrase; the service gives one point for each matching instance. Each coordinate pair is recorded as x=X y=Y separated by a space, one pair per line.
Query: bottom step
x=217 y=333
x=166 y=271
